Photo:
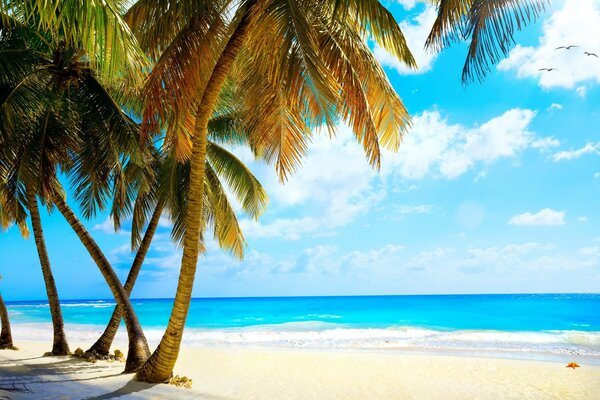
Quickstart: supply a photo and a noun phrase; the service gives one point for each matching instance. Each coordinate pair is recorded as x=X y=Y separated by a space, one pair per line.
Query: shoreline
x=540 y=346
x=245 y=373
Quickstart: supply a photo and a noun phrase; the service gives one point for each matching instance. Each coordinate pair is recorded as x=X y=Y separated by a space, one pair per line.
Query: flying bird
x=548 y=69
x=591 y=54
x=572 y=365
x=566 y=47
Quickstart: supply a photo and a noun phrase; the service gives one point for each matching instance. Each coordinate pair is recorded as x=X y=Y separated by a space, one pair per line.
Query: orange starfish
x=572 y=365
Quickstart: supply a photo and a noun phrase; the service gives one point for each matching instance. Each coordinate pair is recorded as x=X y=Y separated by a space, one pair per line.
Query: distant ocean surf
x=519 y=324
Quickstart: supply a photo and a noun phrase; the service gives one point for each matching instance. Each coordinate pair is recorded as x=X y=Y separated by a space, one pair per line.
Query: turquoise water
x=535 y=312
x=559 y=323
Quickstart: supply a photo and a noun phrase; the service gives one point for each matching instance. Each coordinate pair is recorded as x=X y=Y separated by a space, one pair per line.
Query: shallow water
x=551 y=323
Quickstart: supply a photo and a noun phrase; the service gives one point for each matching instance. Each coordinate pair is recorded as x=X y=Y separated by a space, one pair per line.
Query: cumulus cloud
x=576 y=23
x=409 y=4
x=415 y=31
x=547 y=216
x=555 y=106
x=325 y=194
x=589 y=148
x=545 y=144
x=107 y=226
x=325 y=191
x=434 y=145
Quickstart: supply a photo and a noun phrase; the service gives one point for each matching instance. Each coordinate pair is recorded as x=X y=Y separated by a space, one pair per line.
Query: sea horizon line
x=317 y=296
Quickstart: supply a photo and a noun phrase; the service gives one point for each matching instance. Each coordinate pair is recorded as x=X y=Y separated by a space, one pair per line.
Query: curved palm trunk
x=60 y=347
x=6 y=341
x=138 y=351
x=102 y=345
x=159 y=367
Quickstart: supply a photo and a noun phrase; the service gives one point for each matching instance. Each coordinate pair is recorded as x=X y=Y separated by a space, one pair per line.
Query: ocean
x=523 y=324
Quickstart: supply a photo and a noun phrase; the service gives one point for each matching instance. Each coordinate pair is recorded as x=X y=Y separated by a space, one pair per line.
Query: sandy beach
x=227 y=373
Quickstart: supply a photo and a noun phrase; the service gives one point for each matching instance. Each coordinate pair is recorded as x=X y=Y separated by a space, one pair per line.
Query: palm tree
x=6 y=220
x=299 y=64
x=488 y=24
x=168 y=193
x=6 y=341
x=58 y=116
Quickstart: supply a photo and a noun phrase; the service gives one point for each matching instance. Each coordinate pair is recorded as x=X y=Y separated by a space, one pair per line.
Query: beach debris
x=93 y=356
x=181 y=381
x=572 y=365
x=119 y=356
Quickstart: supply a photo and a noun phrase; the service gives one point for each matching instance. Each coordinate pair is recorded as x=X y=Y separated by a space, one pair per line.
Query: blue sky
x=494 y=190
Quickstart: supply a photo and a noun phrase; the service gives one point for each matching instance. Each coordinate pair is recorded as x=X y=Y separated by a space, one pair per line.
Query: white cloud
x=555 y=106
x=581 y=91
x=107 y=226
x=583 y=219
x=576 y=23
x=544 y=144
x=597 y=175
x=593 y=251
x=573 y=154
x=418 y=209
x=415 y=31
x=409 y=4
x=450 y=150
x=165 y=220
x=324 y=188
x=546 y=217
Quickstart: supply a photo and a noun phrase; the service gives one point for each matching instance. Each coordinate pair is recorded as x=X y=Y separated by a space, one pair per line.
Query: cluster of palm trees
x=134 y=106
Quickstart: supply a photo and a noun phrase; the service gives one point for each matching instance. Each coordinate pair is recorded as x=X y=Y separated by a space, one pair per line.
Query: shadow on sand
x=131 y=387
x=65 y=370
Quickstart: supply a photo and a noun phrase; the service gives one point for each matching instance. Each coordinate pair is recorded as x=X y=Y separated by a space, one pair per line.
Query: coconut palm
x=168 y=193
x=6 y=221
x=6 y=341
x=58 y=116
x=298 y=64
x=489 y=25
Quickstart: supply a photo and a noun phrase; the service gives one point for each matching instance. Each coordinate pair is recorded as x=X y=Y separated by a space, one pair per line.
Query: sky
x=494 y=190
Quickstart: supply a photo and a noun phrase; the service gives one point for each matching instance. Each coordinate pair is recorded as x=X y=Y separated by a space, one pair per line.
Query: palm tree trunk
x=60 y=347
x=6 y=341
x=138 y=351
x=102 y=345
x=159 y=367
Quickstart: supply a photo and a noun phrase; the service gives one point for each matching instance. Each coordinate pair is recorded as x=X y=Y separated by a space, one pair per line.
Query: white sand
x=220 y=373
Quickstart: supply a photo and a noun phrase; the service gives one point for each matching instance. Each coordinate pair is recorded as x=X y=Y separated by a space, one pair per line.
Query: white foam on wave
x=91 y=304
x=322 y=335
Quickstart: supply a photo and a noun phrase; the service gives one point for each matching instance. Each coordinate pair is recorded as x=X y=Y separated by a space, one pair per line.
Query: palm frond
x=221 y=216
x=97 y=27
x=239 y=178
x=372 y=18
x=490 y=26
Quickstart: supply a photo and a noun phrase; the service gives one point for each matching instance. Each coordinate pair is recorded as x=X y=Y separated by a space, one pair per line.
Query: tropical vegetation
x=131 y=110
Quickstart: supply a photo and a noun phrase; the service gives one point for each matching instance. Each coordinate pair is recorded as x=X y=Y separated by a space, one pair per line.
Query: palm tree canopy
x=490 y=26
x=57 y=117
x=305 y=63
x=96 y=28
x=226 y=174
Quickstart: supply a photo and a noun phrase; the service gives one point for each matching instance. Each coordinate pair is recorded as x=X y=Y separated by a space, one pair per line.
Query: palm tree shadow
x=131 y=387
x=20 y=359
